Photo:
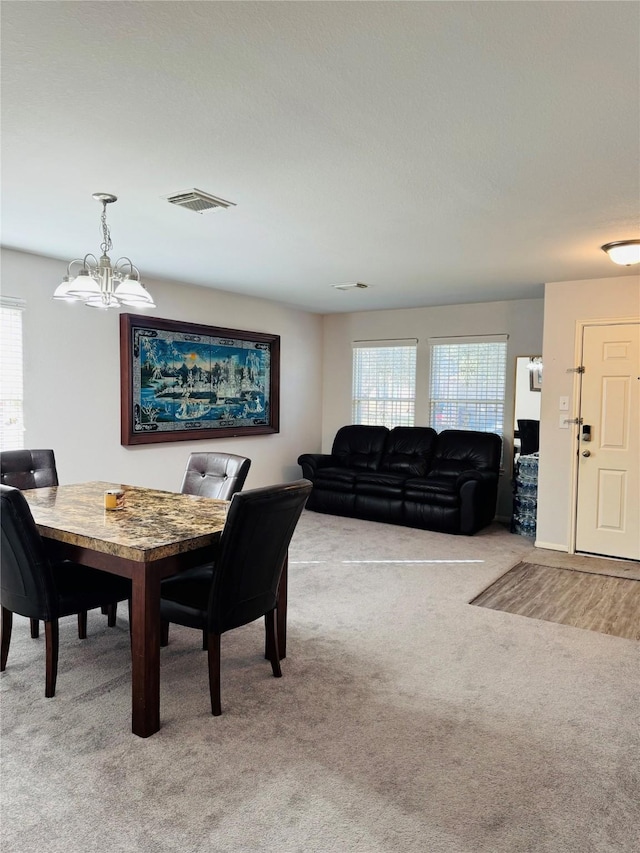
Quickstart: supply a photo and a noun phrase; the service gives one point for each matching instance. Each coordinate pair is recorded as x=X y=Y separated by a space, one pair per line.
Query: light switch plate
x=564 y=422
x=564 y=404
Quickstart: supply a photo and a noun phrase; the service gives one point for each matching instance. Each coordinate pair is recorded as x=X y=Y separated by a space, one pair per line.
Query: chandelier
x=99 y=283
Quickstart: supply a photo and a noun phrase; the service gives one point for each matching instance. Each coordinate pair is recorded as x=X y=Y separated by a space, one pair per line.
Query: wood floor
x=584 y=599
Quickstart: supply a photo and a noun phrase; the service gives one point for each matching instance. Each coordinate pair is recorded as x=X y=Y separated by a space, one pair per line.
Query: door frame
x=577 y=406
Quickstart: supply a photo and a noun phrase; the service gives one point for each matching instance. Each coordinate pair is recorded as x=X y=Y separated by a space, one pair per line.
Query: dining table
x=150 y=535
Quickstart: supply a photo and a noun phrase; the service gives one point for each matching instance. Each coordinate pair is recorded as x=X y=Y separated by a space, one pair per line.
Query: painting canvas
x=186 y=381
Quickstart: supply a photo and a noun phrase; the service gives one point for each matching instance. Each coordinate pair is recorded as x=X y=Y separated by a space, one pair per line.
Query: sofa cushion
x=388 y=485
x=439 y=491
x=449 y=468
x=359 y=447
x=335 y=479
x=408 y=451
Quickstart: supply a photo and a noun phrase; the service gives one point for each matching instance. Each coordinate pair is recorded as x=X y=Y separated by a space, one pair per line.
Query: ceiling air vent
x=351 y=285
x=198 y=201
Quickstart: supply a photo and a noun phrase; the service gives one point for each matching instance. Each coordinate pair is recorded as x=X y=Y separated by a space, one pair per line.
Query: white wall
x=567 y=303
x=520 y=319
x=72 y=379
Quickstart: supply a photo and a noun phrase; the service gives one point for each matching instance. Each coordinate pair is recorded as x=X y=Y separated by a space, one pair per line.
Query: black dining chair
x=28 y=469
x=36 y=469
x=529 y=432
x=215 y=475
x=243 y=585
x=34 y=586
x=210 y=475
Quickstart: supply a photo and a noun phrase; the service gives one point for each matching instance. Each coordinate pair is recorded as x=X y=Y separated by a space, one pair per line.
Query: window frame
x=11 y=372
x=469 y=401
x=396 y=396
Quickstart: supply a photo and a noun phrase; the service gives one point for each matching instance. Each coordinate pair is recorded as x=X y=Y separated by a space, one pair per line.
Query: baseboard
x=551 y=546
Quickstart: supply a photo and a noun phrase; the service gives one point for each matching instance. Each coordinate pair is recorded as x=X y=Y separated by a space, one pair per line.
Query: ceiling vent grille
x=351 y=285
x=198 y=201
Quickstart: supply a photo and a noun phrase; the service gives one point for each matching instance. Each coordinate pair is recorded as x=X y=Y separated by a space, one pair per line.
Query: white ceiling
x=441 y=152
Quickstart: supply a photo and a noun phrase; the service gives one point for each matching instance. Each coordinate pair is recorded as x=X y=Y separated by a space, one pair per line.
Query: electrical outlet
x=564 y=404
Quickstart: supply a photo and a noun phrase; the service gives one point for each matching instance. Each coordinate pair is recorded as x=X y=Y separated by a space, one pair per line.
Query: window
x=384 y=382
x=466 y=389
x=11 y=422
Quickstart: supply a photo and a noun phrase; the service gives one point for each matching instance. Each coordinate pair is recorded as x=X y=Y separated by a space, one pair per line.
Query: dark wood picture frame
x=185 y=381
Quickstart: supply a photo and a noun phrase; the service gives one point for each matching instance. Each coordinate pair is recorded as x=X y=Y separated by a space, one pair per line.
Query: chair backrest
x=215 y=475
x=253 y=547
x=26 y=582
x=28 y=469
x=529 y=436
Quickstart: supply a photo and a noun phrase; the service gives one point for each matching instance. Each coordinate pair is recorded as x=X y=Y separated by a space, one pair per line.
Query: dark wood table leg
x=145 y=651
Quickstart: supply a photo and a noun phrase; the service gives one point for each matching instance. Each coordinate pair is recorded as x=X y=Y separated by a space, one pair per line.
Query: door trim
x=577 y=406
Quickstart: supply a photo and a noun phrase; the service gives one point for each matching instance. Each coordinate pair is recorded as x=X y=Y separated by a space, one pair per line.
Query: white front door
x=608 y=509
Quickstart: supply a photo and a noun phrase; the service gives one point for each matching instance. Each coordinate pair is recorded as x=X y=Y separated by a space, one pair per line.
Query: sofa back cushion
x=458 y=450
x=408 y=451
x=359 y=446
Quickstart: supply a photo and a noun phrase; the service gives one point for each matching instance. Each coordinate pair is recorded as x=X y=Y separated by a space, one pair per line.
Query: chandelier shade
x=97 y=282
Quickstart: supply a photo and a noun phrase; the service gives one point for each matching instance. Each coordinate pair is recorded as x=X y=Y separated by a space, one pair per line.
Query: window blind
x=11 y=390
x=384 y=382
x=467 y=382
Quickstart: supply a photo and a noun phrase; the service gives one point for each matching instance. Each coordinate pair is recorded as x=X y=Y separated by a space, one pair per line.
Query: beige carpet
x=406 y=720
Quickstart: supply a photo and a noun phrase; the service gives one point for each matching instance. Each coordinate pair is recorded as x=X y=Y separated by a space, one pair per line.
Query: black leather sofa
x=413 y=476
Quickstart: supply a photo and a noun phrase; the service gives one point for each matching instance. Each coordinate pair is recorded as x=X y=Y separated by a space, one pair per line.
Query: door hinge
x=576 y=369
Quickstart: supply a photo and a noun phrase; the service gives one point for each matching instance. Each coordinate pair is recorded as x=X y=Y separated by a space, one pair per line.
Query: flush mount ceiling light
x=98 y=283
x=623 y=252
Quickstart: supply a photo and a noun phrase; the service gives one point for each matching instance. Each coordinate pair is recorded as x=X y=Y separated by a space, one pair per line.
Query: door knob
x=586 y=453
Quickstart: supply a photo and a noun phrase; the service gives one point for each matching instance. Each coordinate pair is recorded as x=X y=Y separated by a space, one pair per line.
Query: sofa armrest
x=486 y=477
x=312 y=462
x=478 y=498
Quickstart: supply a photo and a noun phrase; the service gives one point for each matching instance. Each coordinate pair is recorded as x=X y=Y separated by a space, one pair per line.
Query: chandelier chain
x=106 y=244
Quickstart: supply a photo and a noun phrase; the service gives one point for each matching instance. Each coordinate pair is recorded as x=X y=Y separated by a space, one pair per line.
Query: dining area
x=211 y=557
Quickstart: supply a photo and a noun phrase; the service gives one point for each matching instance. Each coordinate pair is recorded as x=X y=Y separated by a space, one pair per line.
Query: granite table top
x=151 y=525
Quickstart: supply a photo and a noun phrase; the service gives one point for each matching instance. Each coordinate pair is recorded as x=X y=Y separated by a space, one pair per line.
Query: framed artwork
x=183 y=381
x=535 y=373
